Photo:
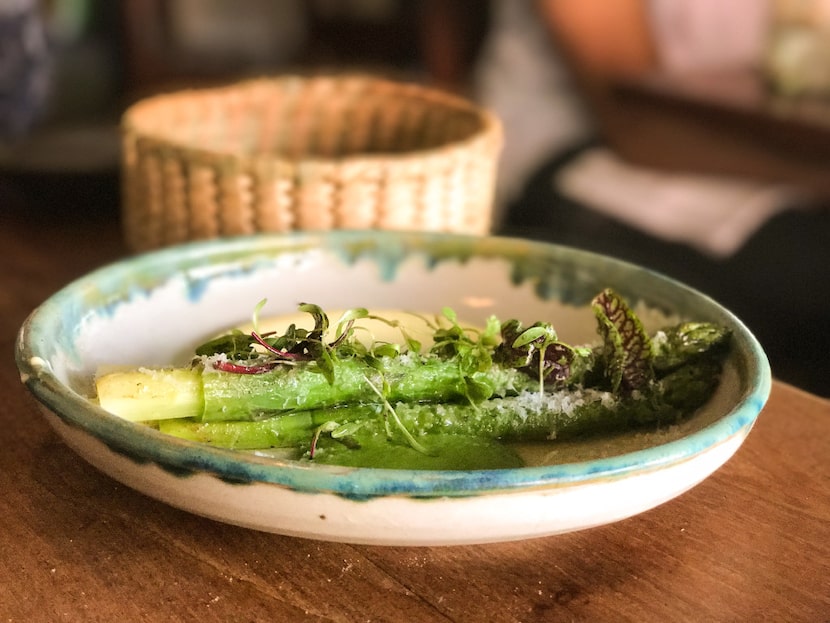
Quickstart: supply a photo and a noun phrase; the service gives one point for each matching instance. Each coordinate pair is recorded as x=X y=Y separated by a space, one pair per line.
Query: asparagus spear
x=528 y=416
x=302 y=388
x=214 y=395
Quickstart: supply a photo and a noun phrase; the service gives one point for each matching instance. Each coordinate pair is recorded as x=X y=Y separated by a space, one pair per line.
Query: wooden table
x=752 y=543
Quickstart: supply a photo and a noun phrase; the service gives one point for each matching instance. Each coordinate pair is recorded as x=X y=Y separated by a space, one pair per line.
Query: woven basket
x=344 y=152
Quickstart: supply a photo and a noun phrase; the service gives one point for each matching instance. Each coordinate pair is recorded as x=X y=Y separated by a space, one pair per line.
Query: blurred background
x=690 y=136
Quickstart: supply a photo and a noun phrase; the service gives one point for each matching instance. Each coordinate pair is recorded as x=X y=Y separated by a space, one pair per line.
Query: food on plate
x=338 y=394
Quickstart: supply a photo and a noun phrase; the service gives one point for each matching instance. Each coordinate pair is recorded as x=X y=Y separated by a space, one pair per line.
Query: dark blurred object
x=727 y=122
x=438 y=40
x=778 y=283
x=57 y=198
x=25 y=68
x=168 y=45
x=63 y=102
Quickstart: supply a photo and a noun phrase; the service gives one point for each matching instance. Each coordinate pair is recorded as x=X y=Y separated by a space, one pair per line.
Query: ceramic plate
x=153 y=309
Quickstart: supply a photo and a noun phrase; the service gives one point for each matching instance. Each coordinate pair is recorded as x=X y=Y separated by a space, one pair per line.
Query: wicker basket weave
x=319 y=153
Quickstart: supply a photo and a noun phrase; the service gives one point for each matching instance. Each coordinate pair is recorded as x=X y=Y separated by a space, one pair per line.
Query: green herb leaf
x=626 y=345
x=236 y=345
x=536 y=351
x=348 y=317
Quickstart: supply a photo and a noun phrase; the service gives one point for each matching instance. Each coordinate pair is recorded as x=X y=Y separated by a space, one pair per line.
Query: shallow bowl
x=152 y=310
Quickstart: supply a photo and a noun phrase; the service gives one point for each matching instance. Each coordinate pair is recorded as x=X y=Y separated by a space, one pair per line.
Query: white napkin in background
x=713 y=214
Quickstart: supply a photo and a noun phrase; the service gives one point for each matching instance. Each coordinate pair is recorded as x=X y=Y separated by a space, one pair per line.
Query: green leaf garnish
x=236 y=345
x=626 y=345
x=536 y=350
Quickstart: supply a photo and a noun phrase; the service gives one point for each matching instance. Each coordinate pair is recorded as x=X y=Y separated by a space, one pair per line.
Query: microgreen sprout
x=540 y=336
x=390 y=410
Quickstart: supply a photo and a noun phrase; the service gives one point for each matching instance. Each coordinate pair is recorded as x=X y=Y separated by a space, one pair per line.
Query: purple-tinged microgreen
x=536 y=351
x=343 y=336
x=238 y=368
x=282 y=354
x=540 y=336
x=626 y=345
x=325 y=427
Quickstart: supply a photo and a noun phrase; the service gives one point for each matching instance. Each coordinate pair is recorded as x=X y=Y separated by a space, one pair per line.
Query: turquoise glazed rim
x=570 y=275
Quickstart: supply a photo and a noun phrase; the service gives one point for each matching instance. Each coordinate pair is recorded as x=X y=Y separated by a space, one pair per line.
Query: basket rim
x=490 y=128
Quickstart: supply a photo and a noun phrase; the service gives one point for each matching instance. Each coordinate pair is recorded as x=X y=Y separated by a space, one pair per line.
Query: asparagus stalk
x=529 y=416
x=213 y=395
x=209 y=395
x=147 y=394
x=282 y=431
x=473 y=388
